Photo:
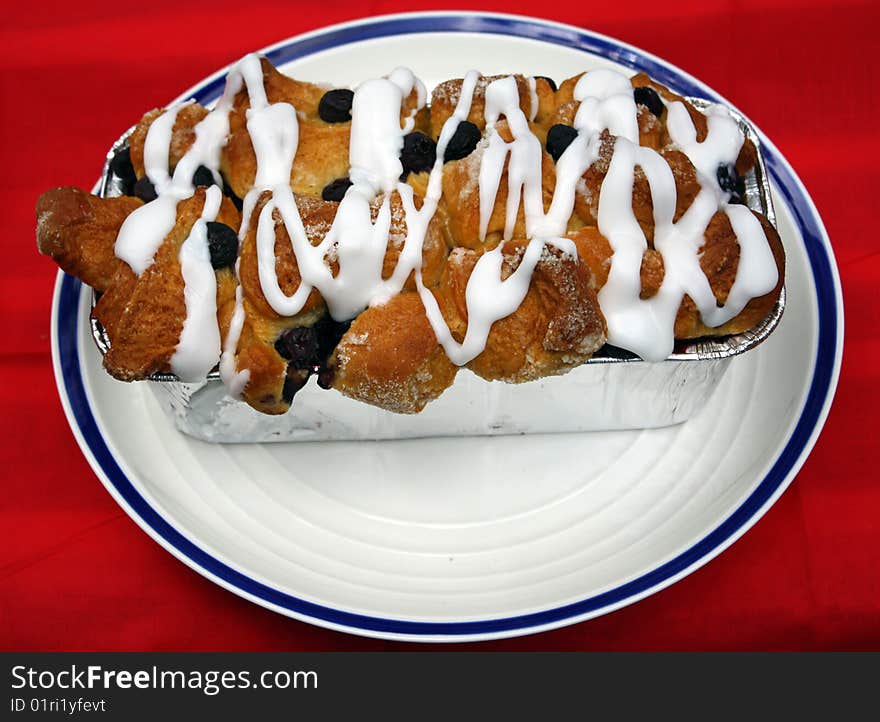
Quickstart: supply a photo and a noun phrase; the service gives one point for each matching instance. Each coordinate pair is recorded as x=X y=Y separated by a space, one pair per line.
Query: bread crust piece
x=183 y=135
x=719 y=259
x=263 y=325
x=565 y=95
x=461 y=196
x=558 y=325
x=390 y=358
x=652 y=134
x=445 y=96
x=322 y=151
x=748 y=155
x=78 y=230
x=143 y=315
x=650 y=127
x=586 y=203
x=322 y=154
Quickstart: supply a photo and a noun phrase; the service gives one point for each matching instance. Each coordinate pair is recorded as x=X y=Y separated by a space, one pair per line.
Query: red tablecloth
x=77 y=574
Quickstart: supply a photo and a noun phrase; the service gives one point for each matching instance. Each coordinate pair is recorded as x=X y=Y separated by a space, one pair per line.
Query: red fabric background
x=77 y=574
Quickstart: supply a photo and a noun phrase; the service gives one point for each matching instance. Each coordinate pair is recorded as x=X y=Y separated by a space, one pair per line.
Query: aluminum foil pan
x=612 y=390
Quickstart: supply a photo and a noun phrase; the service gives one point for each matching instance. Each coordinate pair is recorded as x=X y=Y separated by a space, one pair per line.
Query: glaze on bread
x=385 y=241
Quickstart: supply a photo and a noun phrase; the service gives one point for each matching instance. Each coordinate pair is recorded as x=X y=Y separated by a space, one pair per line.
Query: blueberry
x=648 y=97
x=731 y=182
x=335 y=106
x=418 y=154
x=335 y=190
x=329 y=334
x=293 y=382
x=122 y=168
x=300 y=347
x=559 y=137
x=203 y=177
x=307 y=350
x=462 y=142
x=550 y=81
x=222 y=243
x=145 y=190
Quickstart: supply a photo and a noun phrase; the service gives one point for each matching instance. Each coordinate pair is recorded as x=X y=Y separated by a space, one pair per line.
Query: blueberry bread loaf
x=381 y=240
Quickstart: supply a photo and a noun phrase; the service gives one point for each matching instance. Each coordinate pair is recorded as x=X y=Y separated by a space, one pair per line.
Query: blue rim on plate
x=827 y=362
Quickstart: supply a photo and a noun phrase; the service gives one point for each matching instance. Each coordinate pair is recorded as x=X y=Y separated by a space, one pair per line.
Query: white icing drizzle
x=157 y=145
x=234 y=380
x=721 y=145
x=634 y=324
x=487 y=296
x=488 y=299
x=359 y=243
x=524 y=177
x=404 y=79
x=646 y=327
x=143 y=231
x=533 y=97
x=606 y=102
x=199 y=348
x=145 y=228
x=376 y=136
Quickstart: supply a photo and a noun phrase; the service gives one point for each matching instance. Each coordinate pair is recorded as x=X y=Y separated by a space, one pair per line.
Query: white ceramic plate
x=472 y=538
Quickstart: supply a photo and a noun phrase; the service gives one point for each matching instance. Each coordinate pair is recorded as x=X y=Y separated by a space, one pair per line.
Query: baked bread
x=382 y=242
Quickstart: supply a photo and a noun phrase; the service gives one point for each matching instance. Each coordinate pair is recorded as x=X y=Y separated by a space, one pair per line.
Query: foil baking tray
x=611 y=391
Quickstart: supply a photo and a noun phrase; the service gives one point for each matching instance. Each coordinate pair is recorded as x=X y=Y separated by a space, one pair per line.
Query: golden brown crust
x=267 y=372
x=461 y=194
x=183 y=135
x=143 y=315
x=588 y=193
x=322 y=153
x=390 y=358
x=264 y=325
x=445 y=97
x=78 y=230
x=316 y=221
x=748 y=154
x=557 y=326
x=434 y=248
x=719 y=259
